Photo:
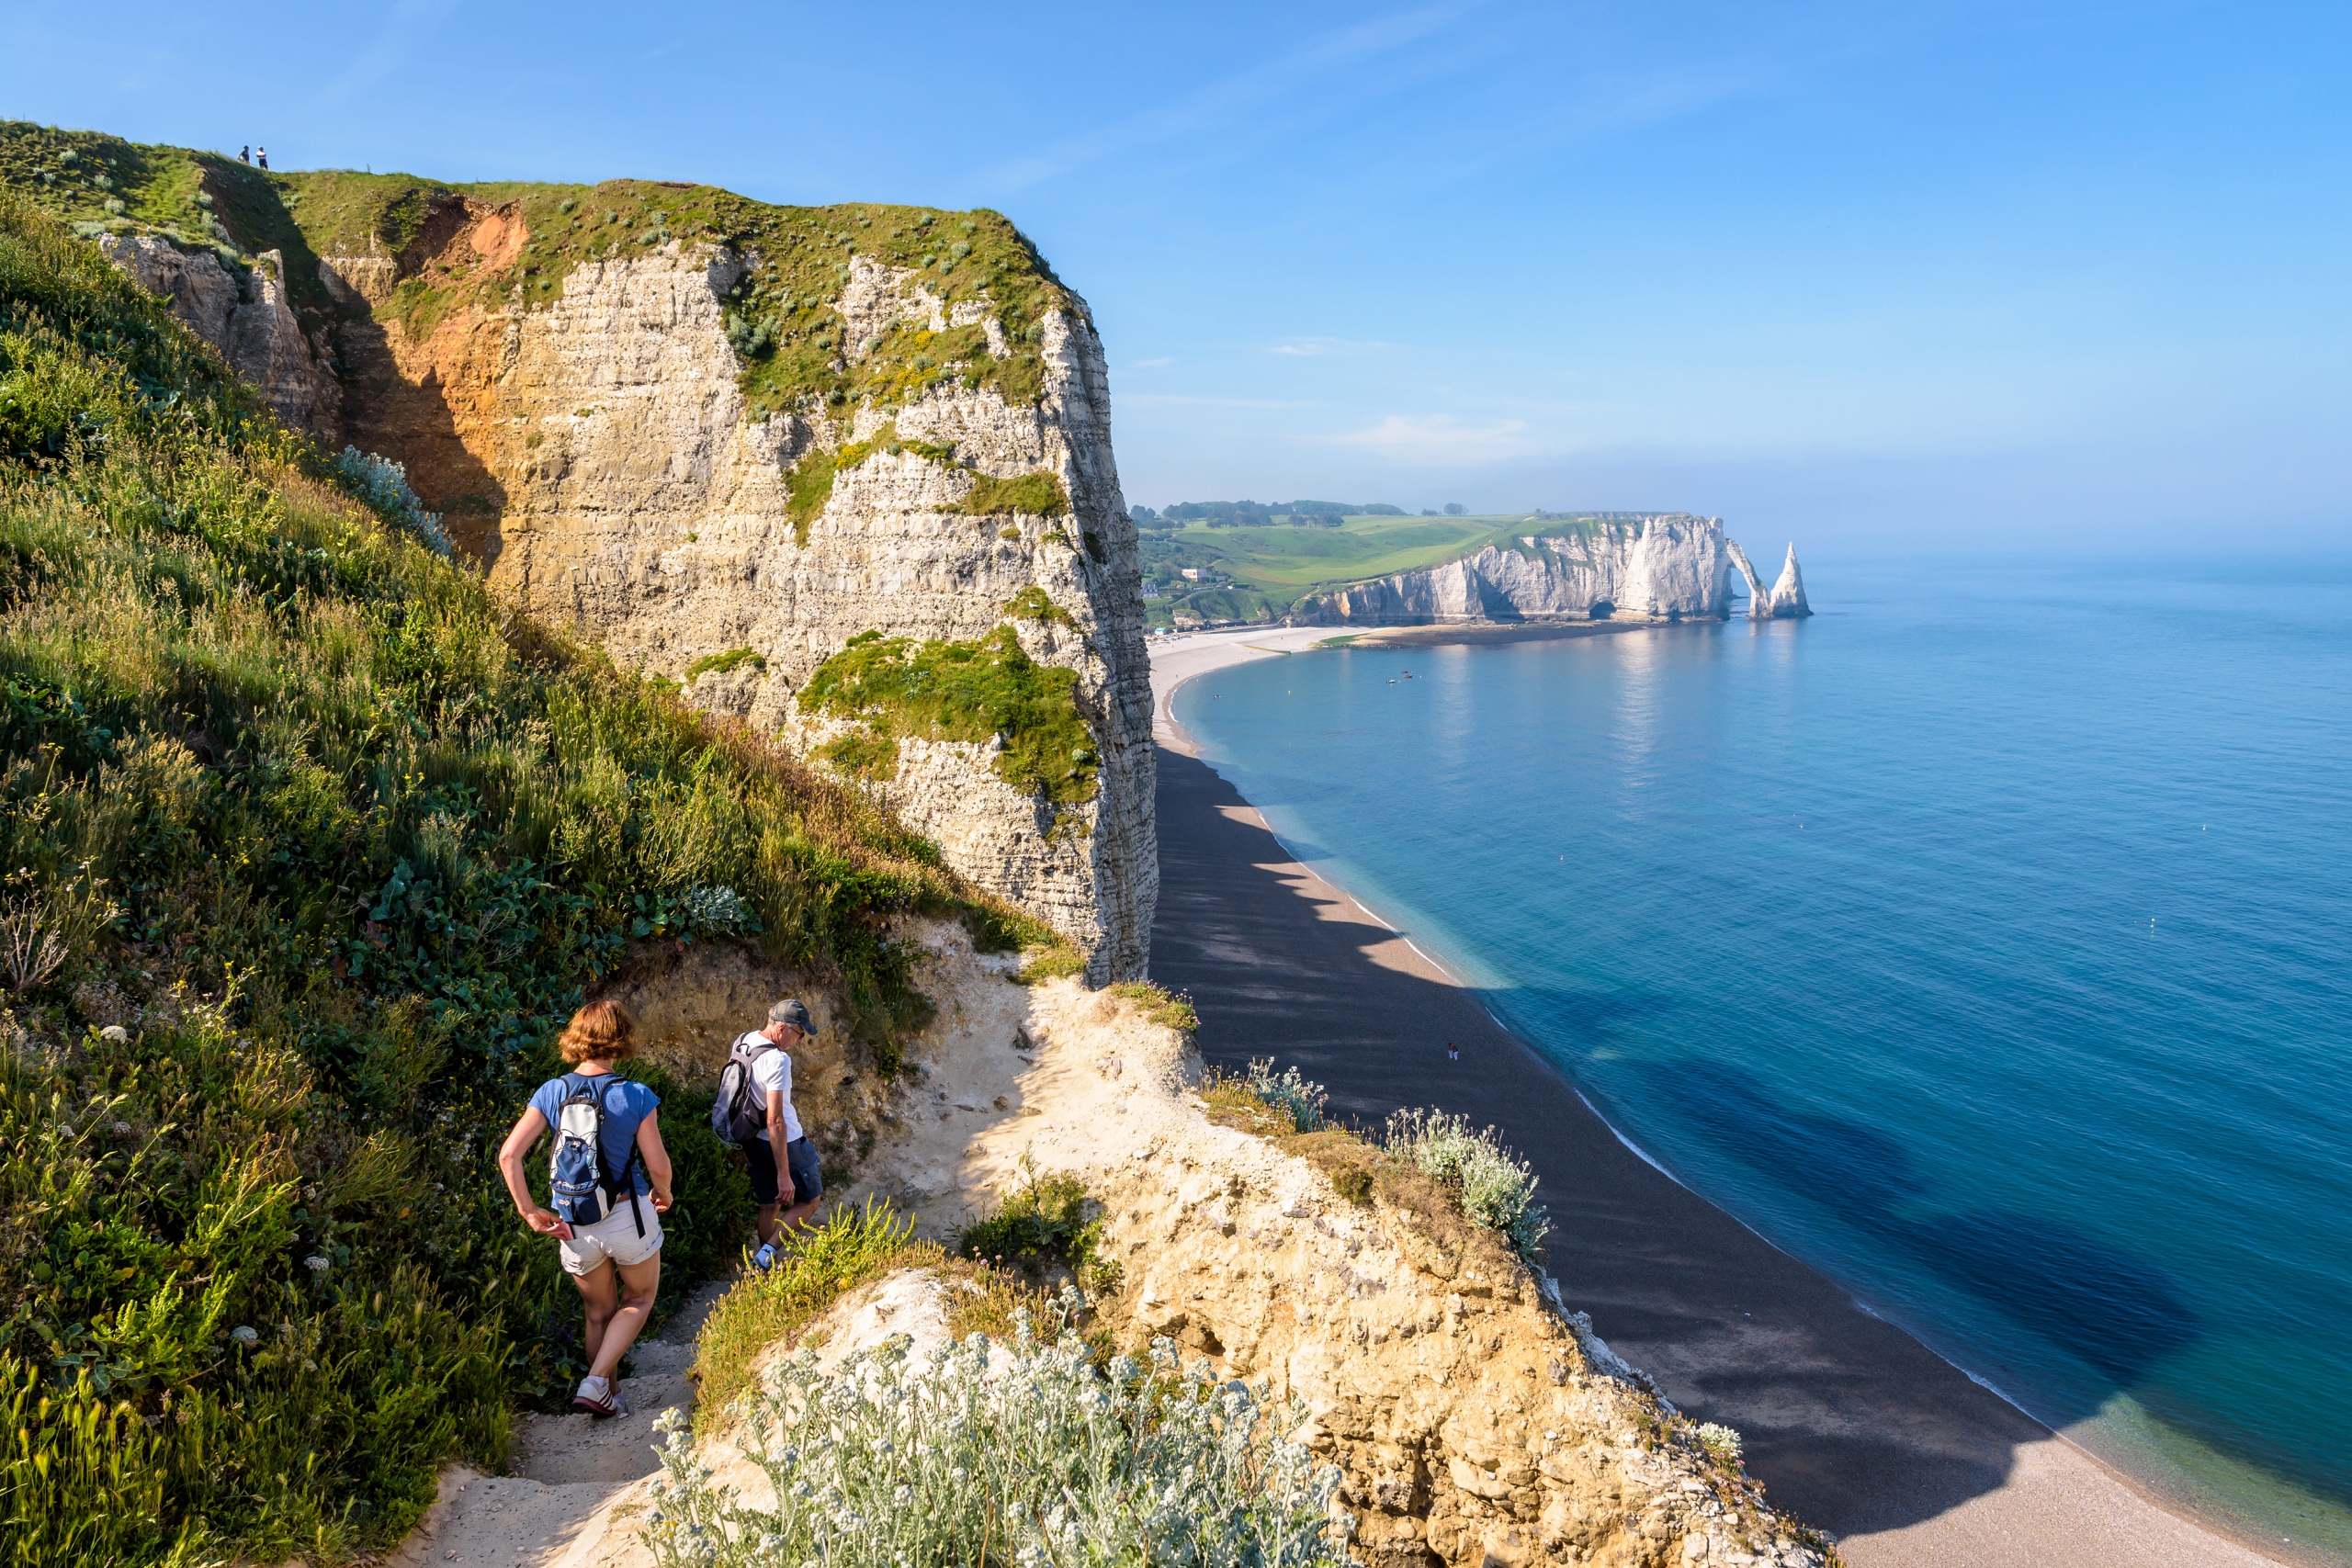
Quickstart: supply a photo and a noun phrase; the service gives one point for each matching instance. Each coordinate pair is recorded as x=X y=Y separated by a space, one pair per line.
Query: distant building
x=1150 y=590
x=1193 y=574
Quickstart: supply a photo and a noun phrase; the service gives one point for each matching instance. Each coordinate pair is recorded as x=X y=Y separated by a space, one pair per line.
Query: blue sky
x=1884 y=278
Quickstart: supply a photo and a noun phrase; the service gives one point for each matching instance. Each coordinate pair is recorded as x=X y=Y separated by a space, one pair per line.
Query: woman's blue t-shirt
x=626 y=1104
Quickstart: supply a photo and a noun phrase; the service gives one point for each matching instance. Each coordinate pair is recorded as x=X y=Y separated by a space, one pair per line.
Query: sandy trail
x=556 y=1510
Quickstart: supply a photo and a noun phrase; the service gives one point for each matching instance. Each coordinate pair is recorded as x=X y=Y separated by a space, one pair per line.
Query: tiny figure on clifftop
x=261 y=156
x=244 y=154
x=608 y=1180
x=755 y=1098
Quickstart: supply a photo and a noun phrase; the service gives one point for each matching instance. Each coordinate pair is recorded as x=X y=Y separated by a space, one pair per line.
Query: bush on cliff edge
x=307 y=846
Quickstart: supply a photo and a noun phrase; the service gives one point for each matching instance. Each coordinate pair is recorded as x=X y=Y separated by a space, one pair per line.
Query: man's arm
x=775 y=1141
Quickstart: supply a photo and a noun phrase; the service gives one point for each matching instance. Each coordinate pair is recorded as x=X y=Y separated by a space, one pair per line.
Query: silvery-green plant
x=383 y=484
x=1497 y=1192
x=1719 y=1441
x=897 y=1462
x=1295 y=1097
x=716 y=908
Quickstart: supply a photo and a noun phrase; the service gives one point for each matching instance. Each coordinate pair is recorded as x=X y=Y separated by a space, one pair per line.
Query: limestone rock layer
x=248 y=318
x=596 y=456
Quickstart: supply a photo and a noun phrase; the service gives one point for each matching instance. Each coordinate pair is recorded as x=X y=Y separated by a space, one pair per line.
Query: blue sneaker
x=764 y=1258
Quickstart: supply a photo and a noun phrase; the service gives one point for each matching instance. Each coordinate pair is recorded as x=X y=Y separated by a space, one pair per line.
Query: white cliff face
x=251 y=323
x=1671 y=566
x=641 y=505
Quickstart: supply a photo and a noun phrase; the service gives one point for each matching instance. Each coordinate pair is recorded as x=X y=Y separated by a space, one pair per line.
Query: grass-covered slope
x=307 y=846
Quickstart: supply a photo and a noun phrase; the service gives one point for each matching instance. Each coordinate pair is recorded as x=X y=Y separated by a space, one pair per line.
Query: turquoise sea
x=1985 y=940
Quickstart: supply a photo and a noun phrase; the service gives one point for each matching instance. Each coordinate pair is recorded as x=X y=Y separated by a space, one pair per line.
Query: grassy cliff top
x=782 y=318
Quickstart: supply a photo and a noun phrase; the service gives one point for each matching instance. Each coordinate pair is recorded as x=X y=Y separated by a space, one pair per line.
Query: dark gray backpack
x=740 y=1110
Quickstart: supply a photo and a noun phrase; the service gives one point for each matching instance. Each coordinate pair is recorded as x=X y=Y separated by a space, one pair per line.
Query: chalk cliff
x=247 y=318
x=1663 y=567
x=723 y=439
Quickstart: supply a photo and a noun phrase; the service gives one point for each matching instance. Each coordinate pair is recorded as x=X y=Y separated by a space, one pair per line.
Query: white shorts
x=614 y=1237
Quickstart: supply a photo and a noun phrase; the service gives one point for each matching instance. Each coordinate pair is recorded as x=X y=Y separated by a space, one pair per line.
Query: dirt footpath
x=553 y=1511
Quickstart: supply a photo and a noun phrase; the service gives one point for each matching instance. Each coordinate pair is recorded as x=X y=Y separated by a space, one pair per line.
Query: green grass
x=1050 y=961
x=852 y=1248
x=1032 y=603
x=1169 y=1010
x=973 y=691
x=1035 y=495
x=1046 y=1221
x=808 y=485
x=721 y=663
x=343 y=839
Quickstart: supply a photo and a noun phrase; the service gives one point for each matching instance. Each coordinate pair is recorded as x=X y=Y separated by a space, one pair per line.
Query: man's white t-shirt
x=772 y=1074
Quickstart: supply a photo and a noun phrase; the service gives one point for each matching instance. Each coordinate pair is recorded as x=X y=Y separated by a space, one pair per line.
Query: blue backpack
x=578 y=1191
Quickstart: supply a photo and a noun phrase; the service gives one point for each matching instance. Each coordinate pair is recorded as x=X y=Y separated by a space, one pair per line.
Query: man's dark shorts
x=806 y=1181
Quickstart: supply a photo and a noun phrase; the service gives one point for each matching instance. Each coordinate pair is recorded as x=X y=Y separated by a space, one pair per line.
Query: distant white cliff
x=1669 y=566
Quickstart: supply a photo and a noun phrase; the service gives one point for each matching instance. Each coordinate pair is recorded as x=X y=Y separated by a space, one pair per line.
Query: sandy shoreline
x=1853 y=1423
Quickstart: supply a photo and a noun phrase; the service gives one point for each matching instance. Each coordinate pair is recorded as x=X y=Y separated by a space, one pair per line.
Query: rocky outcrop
x=248 y=318
x=1784 y=600
x=1476 y=1418
x=598 y=457
x=1664 y=568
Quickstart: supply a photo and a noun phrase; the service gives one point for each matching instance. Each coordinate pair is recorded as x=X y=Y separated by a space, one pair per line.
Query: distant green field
x=1271 y=569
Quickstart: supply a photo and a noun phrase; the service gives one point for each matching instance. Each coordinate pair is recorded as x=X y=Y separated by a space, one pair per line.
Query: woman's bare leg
x=639 y=1281
x=601 y=1299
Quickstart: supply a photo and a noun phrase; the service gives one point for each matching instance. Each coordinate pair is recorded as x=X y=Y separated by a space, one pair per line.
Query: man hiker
x=245 y=155
x=609 y=1185
x=782 y=1168
x=261 y=156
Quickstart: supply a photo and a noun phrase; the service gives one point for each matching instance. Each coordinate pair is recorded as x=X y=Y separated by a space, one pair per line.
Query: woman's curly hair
x=601 y=1031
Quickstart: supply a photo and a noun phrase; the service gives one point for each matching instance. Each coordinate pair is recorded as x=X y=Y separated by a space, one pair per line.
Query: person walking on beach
x=609 y=1184
x=1453 y=1053
x=755 y=1101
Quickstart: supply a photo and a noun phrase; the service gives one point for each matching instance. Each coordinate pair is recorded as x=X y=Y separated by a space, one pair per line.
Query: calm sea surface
x=1986 y=940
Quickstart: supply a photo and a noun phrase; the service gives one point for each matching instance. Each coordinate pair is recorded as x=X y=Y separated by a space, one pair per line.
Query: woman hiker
x=610 y=1178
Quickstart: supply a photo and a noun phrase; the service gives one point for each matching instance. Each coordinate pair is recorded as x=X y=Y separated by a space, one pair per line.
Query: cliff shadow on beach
x=1853 y=1423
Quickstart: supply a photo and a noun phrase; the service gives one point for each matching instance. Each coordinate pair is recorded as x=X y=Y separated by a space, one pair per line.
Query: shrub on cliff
x=306 y=847
x=1024 y=1454
x=1495 y=1191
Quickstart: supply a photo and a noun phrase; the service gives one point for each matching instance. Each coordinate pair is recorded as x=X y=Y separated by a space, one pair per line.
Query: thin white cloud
x=1439 y=440
x=1220 y=102
x=408 y=26
x=1316 y=348
x=1180 y=400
